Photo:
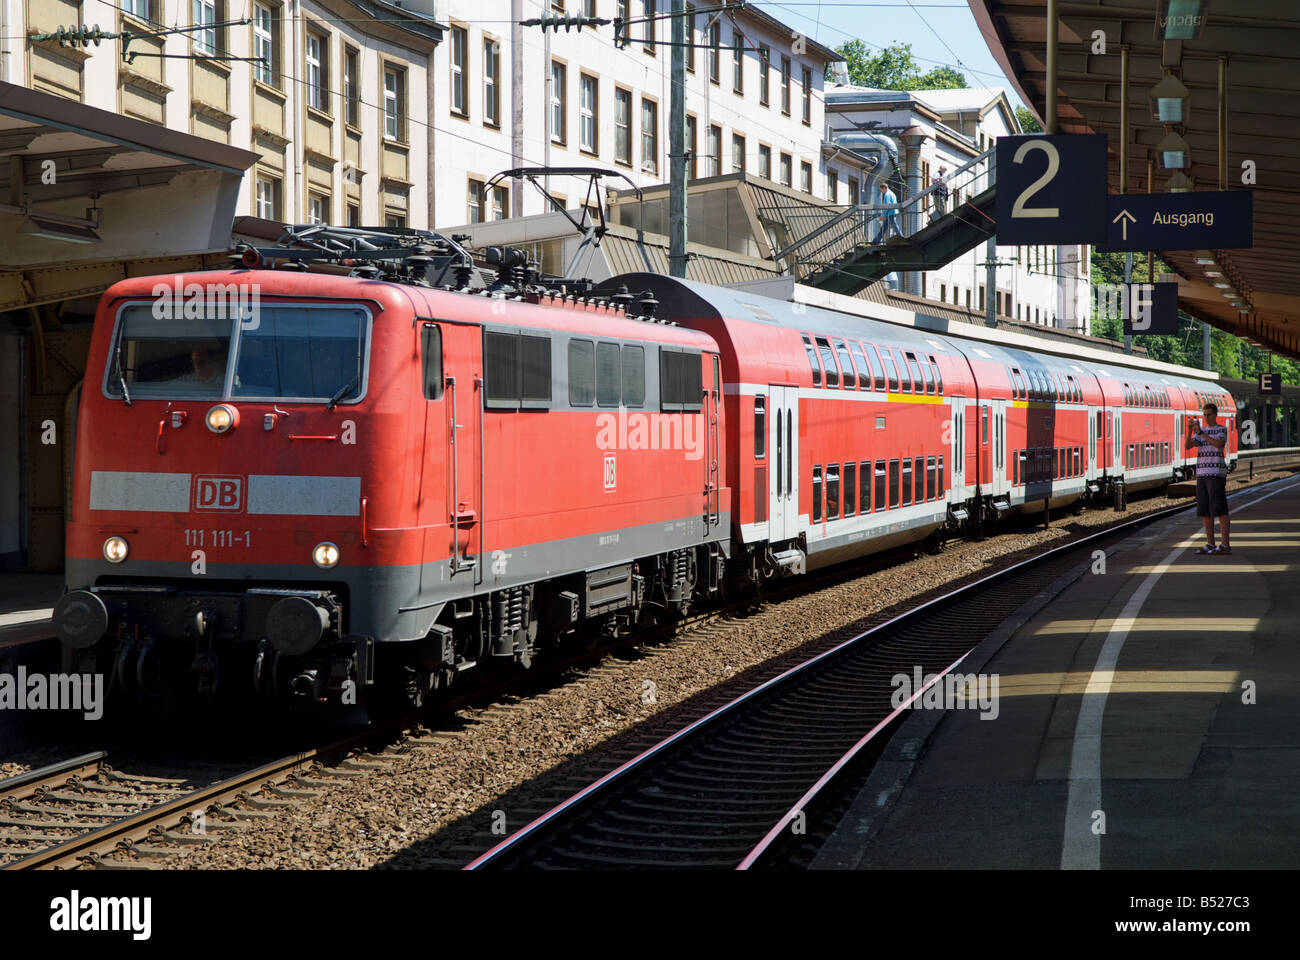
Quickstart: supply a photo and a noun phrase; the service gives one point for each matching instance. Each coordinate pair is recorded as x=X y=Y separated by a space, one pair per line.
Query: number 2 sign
x=1051 y=189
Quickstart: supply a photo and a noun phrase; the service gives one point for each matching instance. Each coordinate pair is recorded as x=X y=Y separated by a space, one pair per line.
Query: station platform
x=26 y=603
x=1148 y=717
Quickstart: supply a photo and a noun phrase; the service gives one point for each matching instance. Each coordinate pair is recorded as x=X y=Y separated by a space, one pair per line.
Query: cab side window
x=431 y=354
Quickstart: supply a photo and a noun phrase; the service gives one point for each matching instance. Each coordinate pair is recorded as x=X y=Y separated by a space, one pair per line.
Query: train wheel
x=399 y=689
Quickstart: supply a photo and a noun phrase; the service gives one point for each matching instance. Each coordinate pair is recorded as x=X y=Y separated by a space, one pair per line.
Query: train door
x=713 y=455
x=998 y=483
x=463 y=347
x=783 y=483
x=1094 y=443
x=957 y=427
x=1119 y=465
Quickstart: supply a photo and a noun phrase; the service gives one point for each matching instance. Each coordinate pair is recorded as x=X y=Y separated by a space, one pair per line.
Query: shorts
x=1211 y=497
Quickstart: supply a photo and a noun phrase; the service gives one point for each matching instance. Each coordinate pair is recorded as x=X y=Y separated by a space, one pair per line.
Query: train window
x=431 y=352
x=879 y=502
x=582 y=373
x=920 y=479
x=850 y=489
x=760 y=427
x=938 y=491
x=291 y=352
x=833 y=491
x=904 y=378
x=1078 y=461
x=680 y=380
x=1015 y=385
x=891 y=371
x=828 y=362
x=846 y=364
x=877 y=370
x=907 y=481
x=812 y=360
x=893 y=482
x=535 y=369
x=864 y=486
x=181 y=358
x=501 y=367
x=609 y=378
x=929 y=478
x=938 y=377
x=864 y=371
x=634 y=375
x=1061 y=470
x=817 y=494
x=928 y=375
x=984 y=426
x=916 y=371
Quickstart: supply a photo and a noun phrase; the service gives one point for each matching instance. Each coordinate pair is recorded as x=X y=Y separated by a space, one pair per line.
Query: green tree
x=1027 y=122
x=895 y=68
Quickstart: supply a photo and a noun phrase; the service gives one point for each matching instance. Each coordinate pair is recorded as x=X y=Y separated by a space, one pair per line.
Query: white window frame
x=491 y=82
x=650 y=137
x=317 y=65
x=393 y=106
x=205 y=19
x=588 y=97
x=263 y=43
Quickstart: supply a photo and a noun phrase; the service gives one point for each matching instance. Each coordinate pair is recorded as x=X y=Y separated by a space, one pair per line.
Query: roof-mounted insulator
x=418 y=267
x=298 y=265
x=621 y=298
x=366 y=271
x=648 y=305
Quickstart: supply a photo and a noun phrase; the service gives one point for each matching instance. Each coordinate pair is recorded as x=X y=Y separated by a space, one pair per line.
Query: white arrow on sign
x=1127 y=218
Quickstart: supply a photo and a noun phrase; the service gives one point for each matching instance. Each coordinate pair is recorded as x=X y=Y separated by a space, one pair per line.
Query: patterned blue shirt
x=1209 y=459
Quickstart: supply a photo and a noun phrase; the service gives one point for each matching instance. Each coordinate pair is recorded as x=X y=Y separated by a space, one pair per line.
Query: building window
x=764 y=73
x=318 y=206
x=765 y=161
x=692 y=147
x=785 y=85
x=500 y=203
x=805 y=176
x=354 y=214
x=787 y=169
x=268 y=198
x=737 y=153
x=558 y=111
x=832 y=186
x=492 y=83
x=690 y=37
x=737 y=63
x=318 y=75
x=715 y=53
x=587 y=100
x=474 y=213
x=648 y=9
x=136 y=8
x=395 y=220
x=394 y=104
x=459 y=71
x=351 y=89
x=264 y=36
x=853 y=190
x=649 y=136
x=807 y=97
x=715 y=150
x=622 y=126
x=205 y=18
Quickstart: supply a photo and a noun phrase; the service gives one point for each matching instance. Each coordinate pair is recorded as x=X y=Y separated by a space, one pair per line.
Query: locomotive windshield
x=282 y=353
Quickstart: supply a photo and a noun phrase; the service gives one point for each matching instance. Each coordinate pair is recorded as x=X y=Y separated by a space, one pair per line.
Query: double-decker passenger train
x=375 y=480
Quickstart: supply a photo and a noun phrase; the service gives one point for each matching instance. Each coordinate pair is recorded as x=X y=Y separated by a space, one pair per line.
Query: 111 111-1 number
x=199 y=537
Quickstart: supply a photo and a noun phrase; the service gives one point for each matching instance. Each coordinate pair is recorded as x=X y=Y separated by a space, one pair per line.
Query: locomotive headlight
x=325 y=555
x=222 y=417
x=115 y=549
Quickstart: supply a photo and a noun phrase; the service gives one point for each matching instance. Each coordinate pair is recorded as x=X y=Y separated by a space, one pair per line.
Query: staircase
x=844 y=255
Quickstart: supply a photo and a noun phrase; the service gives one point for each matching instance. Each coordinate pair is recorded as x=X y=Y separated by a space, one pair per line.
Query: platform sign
x=1150 y=309
x=1213 y=220
x=1050 y=188
x=1270 y=383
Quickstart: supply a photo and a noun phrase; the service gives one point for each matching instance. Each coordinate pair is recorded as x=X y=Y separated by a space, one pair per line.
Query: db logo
x=611 y=473
x=218 y=493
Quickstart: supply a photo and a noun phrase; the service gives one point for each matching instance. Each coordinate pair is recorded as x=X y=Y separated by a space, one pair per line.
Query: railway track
x=73 y=813
x=759 y=780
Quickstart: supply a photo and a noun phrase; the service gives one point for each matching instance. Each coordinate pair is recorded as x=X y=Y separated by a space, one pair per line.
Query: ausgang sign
x=1217 y=220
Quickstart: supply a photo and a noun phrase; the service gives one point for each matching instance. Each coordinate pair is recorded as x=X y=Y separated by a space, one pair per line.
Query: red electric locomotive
x=341 y=480
x=313 y=483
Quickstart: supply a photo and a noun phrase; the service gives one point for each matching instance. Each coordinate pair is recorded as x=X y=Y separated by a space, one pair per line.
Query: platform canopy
x=88 y=196
x=1259 y=41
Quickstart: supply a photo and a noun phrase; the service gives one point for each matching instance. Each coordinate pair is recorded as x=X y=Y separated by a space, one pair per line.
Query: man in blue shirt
x=1211 y=441
x=887 y=198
